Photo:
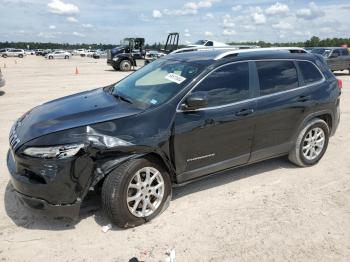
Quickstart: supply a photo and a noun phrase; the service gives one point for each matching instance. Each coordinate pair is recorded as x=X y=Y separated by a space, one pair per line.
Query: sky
x=109 y=21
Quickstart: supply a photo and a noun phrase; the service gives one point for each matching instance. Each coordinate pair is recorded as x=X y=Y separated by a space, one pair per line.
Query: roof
x=211 y=55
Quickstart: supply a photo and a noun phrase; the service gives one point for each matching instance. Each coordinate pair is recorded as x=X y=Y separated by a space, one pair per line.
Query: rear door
x=282 y=104
x=218 y=136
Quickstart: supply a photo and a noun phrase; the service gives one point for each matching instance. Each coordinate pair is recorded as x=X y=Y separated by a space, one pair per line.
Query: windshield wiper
x=123 y=98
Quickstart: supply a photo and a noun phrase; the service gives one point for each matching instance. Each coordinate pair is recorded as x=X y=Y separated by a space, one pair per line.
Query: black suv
x=177 y=119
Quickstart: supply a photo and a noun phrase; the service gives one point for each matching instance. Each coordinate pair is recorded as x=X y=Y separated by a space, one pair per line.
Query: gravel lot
x=270 y=211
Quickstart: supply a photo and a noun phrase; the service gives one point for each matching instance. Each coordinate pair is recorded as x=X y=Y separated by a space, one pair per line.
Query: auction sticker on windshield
x=175 y=78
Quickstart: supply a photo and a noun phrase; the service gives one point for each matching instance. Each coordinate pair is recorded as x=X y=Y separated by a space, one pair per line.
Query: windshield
x=321 y=51
x=156 y=83
x=200 y=42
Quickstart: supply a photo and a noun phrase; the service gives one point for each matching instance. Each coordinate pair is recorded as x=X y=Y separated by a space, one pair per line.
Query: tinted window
x=344 y=51
x=226 y=85
x=209 y=43
x=309 y=72
x=336 y=51
x=276 y=76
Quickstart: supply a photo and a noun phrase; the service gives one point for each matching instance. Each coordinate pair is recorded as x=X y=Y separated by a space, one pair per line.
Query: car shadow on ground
x=32 y=219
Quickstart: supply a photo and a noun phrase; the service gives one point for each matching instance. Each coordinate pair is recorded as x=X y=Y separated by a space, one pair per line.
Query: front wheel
x=50 y=57
x=311 y=143
x=66 y=57
x=125 y=65
x=4 y=56
x=136 y=192
x=20 y=56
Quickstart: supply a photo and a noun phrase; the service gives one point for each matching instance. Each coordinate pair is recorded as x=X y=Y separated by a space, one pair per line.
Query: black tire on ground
x=50 y=57
x=116 y=68
x=296 y=156
x=66 y=57
x=4 y=56
x=20 y=56
x=125 y=65
x=115 y=190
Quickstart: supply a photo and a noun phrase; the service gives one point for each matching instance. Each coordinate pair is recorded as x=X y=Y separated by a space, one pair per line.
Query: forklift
x=131 y=52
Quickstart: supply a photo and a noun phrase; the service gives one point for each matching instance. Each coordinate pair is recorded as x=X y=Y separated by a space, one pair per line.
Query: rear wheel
x=66 y=57
x=20 y=56
x=50 y=57
x=136 y=192
x=311 y=143
x=125 y=65
x=4 y=56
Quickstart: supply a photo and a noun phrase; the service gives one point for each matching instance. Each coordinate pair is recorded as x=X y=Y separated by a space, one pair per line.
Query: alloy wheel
x=145 y=192
x=313 y=143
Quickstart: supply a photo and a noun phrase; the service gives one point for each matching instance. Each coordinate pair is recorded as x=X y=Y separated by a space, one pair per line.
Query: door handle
x=303 y=99
x=245 y=112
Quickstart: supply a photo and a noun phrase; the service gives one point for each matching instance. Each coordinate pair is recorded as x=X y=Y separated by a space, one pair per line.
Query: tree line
x=314 y=41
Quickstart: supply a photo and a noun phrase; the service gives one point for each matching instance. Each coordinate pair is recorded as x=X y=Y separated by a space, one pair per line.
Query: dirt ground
x=270 y=211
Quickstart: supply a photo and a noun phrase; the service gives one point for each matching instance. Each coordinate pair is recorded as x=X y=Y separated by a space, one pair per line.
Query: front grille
x=13 y=139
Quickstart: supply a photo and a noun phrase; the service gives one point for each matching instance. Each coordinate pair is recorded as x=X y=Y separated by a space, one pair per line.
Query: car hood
x=80 y=109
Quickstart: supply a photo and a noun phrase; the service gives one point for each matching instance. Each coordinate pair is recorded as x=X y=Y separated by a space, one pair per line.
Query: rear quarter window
x=276 y=76
x=309 y=72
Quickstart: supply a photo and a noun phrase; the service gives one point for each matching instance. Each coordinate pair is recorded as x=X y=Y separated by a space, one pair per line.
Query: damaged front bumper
x=66 y=210
x=59 y=195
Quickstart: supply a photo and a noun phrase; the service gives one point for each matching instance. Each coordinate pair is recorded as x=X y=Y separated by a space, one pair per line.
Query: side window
x=276 y=76
x=344 y=52
x=209 y=43
x=226 y=85
x=336 y=51
x=309 y=72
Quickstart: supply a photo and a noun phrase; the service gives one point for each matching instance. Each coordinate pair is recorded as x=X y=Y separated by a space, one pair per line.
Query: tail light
x=340 y=83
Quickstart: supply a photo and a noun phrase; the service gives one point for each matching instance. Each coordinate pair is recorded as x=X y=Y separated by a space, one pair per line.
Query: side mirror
x=334 y=55
x=195 y=101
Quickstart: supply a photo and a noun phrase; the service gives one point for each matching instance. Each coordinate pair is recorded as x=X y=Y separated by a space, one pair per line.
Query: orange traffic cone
x=76 y=70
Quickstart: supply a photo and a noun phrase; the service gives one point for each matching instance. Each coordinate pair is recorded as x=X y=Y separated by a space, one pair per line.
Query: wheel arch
x=325 y=115
x=105 y=167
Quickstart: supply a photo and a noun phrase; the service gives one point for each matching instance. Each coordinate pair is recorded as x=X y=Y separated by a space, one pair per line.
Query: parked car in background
x=79 y=52
x=39 y=52
x=12 y=52
x=99 y=54
x=177 y=119
x=153 y=54
x=58 y=54
x=2 y=79
x=29 y=52
x=338 y=58
x=200 y=43
x=88 y=53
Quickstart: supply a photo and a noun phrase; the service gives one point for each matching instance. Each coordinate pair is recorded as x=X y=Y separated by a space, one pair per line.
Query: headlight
x=63 y=151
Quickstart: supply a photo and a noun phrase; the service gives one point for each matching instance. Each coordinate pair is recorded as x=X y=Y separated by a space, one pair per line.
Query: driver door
x=219 y=135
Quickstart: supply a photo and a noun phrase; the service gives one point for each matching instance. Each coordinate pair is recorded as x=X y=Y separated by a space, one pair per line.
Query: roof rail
x=282 y=49
x=204 y=48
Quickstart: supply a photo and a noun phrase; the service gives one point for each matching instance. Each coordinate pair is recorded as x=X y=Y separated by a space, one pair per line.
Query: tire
x=66 y=57
x=116 y=68
x=125 y=65
x=115 y=190
x=4 y=56
x=302 y=153
x=50 y=57
x=20 y=56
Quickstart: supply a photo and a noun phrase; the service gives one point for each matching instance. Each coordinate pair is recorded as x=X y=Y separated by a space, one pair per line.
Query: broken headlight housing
x=59 y=152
